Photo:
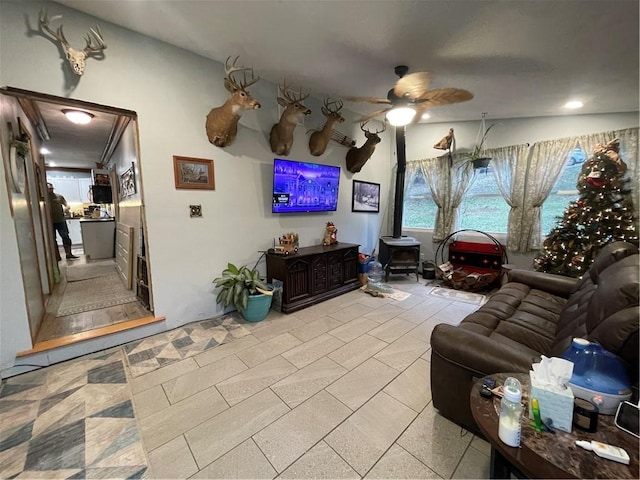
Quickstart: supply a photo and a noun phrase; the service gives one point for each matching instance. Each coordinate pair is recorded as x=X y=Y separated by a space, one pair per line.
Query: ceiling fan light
x=400 y=116
x=77 y=116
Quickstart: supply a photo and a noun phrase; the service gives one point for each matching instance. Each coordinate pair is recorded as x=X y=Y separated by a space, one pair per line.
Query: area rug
x=92 y=294
x=90 y=270
x=458 y=295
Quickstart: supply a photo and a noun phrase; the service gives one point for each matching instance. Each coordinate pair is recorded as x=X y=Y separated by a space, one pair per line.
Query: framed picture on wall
x=128 y=182
x=366 y=197
x=193 y=173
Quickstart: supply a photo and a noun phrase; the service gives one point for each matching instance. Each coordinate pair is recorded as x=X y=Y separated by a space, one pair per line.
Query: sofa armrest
x=480 y=354
x=547 y=282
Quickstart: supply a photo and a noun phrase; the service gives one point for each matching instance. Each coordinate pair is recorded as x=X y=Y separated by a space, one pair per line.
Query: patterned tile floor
x=337 y=390
x=72 y=420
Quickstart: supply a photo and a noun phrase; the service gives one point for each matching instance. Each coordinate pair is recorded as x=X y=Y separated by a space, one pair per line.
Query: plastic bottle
x=509 y=424
x=375 y=272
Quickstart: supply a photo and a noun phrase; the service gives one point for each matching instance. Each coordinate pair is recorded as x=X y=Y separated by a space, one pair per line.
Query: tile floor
x=337 y=390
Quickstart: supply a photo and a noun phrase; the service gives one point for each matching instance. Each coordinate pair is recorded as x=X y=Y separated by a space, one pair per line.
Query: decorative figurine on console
x=331 y=235
x=288 y=244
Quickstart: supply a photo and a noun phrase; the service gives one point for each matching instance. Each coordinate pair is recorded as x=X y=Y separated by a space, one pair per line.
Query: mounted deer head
x=358 y=156
x=281 y=137
x=320 y=138
x=222 y=122
x=76 y=58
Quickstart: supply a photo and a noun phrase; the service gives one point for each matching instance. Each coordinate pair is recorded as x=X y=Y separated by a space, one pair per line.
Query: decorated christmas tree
x=603 y=214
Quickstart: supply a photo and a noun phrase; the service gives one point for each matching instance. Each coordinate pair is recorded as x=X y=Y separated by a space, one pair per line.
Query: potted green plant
x=478 y=156
x=243 y=288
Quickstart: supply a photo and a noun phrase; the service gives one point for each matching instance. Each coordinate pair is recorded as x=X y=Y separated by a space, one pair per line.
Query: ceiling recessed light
x=574 y=104
x=52 y=164
x=426 y=116
x=45 y=151
x=78 y=116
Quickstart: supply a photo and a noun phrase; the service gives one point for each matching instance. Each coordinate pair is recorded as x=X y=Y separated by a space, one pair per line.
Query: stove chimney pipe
x=398 y=204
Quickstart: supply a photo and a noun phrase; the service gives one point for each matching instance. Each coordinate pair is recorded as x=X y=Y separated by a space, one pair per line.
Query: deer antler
x=235 y=84
x=43 y=23
x=290 y=96
x=362 y=124
x=333 y=107
x=90 y=48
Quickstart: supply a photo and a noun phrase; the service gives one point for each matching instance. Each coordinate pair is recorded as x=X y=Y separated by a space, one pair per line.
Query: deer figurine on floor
x=77 y=58
x=358 y=156
x=222 y=122
x=320 y=138
x=281 y=137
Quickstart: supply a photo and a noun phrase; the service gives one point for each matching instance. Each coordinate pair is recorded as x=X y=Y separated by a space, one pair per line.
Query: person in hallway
x=58 y=209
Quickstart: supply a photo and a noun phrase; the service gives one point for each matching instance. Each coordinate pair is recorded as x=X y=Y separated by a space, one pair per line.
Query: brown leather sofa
x=536 y=314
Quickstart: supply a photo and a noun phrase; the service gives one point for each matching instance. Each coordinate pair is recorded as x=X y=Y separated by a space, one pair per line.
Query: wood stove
x=399 y=255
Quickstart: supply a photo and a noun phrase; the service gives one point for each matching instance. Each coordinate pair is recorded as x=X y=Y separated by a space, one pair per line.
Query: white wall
x=172 y=91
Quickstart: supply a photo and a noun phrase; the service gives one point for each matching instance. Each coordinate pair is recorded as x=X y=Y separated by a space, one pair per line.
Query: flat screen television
x=101 y=194
x=304 y=187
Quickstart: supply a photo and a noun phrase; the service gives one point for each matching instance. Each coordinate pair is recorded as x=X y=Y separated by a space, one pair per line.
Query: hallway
x=90 y=295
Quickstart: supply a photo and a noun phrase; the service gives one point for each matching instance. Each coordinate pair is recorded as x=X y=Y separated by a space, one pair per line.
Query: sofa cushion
x=518 y=315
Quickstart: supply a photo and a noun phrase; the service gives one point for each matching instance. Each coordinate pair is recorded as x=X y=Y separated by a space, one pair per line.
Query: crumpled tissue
x=550 y=386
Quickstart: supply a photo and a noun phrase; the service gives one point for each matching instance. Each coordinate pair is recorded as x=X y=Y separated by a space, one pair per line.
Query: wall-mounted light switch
x=195 y=211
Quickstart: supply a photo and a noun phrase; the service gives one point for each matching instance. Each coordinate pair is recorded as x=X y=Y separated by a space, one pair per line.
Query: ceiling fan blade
x=413 y=85
x=368 y=100
x=443 y=96
x=366 y=118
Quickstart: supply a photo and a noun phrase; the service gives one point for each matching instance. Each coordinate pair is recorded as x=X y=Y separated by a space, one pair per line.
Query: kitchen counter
x=98 y=237
x=83 y=220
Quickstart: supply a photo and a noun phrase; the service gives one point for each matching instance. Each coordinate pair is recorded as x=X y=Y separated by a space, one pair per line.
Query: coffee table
x=547 y=455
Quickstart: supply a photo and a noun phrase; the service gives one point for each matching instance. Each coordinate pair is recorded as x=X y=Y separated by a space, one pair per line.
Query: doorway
x=103 y=285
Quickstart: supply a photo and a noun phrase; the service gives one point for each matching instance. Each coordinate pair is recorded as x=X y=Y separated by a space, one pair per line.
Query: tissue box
x=555 y=402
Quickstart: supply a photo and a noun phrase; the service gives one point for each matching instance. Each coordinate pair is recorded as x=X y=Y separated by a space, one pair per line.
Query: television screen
x=304 y=187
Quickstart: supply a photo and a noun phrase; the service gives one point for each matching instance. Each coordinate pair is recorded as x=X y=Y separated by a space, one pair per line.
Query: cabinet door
x=350 y=265
x=297 y=282
x=68 y=188
x=75 y=232
x=83 y=186
x=319 y=278
x=334 y=263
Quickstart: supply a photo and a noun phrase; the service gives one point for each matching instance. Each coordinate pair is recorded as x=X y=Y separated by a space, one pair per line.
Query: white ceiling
x=519 y=58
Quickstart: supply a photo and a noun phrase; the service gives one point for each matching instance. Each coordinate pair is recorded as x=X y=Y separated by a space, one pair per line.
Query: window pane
x=419 y=208
x=483 y=207
x=563 y=192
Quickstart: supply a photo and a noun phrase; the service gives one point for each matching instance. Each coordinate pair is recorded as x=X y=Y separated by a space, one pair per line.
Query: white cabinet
x=98 y=237
x=68 y=188
x=74 y=231
x=83 y=186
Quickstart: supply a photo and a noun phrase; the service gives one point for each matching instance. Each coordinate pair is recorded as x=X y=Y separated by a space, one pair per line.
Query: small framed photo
x=128 y=182
x=193 y=173
x=366 y=197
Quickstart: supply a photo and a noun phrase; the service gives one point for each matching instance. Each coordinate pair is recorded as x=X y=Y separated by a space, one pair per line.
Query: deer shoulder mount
x=281 y=137
x=77 y=58
x=358 y=156
x=320 y=138
x=222 y=122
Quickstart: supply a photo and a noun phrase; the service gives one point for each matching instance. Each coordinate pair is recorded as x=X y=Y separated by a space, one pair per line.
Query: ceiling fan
x=410 y=98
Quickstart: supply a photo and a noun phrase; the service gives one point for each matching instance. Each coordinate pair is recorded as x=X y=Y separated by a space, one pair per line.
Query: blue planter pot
x=257 y=308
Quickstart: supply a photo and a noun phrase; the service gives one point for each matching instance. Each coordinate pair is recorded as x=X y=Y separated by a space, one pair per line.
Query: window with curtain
x=563 y=192
x=419 y=208
x=483 y=207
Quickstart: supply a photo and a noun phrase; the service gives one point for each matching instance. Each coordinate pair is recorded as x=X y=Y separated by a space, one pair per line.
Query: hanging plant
x=21 y=146
x=478 y=156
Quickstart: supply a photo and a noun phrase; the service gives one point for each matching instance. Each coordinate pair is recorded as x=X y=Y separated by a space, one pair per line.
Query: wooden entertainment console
x=314 y=274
